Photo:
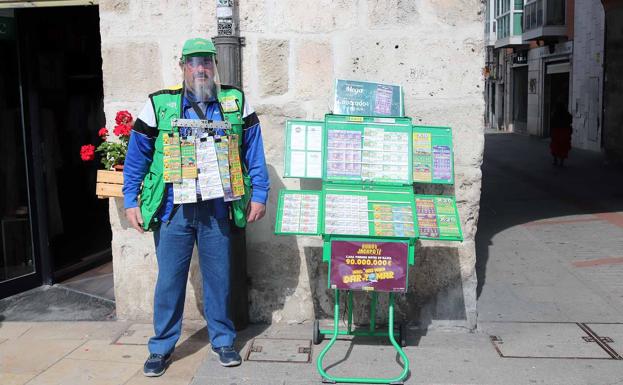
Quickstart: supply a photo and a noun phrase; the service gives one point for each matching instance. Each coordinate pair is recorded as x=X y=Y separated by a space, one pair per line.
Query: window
x=556 y=12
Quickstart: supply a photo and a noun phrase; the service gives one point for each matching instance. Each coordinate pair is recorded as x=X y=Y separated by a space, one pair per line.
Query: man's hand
x=255 y=212
x=135 y=218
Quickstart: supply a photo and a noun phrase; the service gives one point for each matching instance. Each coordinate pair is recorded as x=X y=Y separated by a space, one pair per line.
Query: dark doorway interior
x=556 y=92
x=60 y=59
x=16 y=253
x=520 y=99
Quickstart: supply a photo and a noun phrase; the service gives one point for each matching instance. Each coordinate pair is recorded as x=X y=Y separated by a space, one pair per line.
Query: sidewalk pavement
x=550 y=239
x=112 y=353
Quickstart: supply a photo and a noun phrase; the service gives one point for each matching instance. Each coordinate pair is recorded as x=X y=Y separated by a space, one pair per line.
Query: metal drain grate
x=563 y=340
x=279 y=350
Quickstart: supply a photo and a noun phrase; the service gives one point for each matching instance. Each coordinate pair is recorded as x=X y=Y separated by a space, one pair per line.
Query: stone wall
x=294 y=51
x=585 y=94
x=613 y=85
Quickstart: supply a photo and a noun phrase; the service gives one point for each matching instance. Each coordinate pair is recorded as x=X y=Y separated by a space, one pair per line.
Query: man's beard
x=203 y=89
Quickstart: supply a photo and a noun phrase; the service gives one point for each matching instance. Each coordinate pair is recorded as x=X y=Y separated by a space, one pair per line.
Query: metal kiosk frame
x=318 y=334
x=380 y=190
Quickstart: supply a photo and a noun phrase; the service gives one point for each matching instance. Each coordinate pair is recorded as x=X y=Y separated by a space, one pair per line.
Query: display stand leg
x=327 y=378
x=350 y=311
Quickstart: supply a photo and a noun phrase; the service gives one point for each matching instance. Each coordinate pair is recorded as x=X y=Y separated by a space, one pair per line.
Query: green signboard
x=299 y=212
x=368 y=165
x=368 y=149
x=369 y=211
x=367 y=99
x=433 y=155
x=303 y=149
x=438 y=218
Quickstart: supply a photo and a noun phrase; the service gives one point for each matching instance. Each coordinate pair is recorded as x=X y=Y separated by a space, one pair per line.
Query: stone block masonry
x=294 y=50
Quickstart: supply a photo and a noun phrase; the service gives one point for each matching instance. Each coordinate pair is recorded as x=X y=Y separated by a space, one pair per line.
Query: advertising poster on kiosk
x=369 y=266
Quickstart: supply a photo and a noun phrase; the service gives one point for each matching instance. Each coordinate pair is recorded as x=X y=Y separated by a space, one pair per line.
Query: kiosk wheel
x=317 y=337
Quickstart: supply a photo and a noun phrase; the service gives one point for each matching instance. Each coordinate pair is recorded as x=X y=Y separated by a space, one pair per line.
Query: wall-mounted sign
x=520 y=57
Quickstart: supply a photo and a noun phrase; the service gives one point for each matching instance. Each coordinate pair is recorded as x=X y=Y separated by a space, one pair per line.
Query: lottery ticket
x=185 y=192
x=172 y=165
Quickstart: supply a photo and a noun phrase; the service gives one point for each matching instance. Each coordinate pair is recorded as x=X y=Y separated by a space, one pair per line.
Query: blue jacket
x=141 y=149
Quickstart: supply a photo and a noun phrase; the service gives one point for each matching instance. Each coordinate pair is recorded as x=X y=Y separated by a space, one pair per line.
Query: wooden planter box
x=109 y=184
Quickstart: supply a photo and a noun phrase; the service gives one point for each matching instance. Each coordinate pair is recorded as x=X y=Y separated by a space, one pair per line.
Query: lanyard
x=198 y=111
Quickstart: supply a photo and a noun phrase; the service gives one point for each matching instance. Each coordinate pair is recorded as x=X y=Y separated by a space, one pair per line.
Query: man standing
x=177 y=227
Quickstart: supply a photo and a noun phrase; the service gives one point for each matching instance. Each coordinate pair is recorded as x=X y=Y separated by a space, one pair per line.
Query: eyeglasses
x=196 y=61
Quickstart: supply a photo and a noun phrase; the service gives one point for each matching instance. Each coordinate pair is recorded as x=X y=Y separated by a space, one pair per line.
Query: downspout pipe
x=229 y=61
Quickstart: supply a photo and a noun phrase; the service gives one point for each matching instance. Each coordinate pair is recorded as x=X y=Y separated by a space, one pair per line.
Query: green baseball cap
x=198 y=46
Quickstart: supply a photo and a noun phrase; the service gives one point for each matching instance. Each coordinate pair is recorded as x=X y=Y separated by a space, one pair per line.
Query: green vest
x=168 y=105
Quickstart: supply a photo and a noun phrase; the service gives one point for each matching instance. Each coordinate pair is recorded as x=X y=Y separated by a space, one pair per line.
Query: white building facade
x=556 y=57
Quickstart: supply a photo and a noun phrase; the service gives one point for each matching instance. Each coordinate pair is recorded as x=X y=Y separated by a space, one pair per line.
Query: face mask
x=201 y=77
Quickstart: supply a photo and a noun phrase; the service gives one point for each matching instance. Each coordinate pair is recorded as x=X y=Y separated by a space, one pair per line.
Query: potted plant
x=110 y=179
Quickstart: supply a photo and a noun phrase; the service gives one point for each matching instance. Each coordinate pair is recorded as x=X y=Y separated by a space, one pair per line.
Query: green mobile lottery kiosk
x=367 y=212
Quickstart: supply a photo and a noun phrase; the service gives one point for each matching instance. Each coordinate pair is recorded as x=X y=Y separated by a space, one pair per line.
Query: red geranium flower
x=103 y=133
x=87 y=152
x=123 y=117
x=122 y=129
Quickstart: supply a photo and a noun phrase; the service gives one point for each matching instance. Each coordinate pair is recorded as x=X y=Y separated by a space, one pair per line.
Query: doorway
x=18 y=269
x=556 y=91
x=56 y=61
x=520 y=99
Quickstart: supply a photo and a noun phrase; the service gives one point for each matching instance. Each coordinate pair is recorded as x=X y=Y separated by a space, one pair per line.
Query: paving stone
x=279 y=349
x=140 y=379
x=139 y=333
x=75 y=330
x=20 y=357
x=187 y=358
x=79 y=372
x=14 y=379
x=10 y=329
x=99 y=350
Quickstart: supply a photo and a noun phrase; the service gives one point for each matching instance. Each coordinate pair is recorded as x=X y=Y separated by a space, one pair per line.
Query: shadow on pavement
x=521 y=185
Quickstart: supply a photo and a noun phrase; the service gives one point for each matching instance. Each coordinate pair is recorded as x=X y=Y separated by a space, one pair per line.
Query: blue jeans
x=174 y=245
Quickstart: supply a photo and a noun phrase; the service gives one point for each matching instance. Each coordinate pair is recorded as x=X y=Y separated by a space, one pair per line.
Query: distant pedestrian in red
x=560 y=132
